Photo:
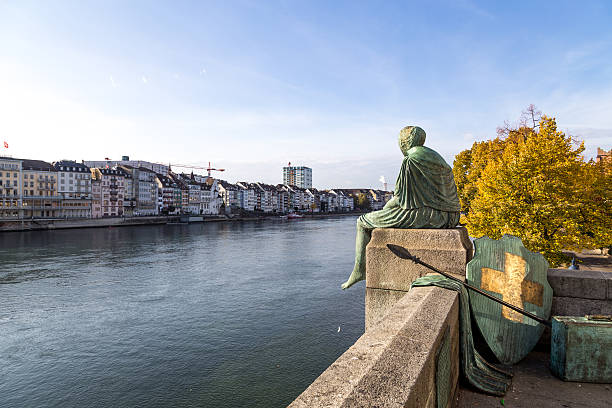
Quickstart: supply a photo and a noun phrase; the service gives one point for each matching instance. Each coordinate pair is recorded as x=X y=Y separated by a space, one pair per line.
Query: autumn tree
x=532 y=182
x=469 y=164
x=362 y=202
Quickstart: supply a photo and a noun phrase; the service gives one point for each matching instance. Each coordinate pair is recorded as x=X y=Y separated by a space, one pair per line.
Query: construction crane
x=209 y=169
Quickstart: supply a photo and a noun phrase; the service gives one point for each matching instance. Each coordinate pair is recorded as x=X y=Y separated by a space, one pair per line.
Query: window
x=14 y=174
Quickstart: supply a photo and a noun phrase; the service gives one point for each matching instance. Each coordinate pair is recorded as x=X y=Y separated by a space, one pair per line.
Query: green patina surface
x=478 y=372
x=508 y=271
x=425 y=196
x=581 y=349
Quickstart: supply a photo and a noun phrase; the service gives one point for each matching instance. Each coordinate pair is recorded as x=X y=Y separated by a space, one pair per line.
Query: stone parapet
x=388 y=277
x=578 y=293
x=411 y=358
x=583 y=284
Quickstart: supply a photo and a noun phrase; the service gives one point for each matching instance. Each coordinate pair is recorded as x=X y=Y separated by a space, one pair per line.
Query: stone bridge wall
x=408 y=356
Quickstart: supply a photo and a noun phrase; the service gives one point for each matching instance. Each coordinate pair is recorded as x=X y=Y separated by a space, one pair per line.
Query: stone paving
x=534 y=386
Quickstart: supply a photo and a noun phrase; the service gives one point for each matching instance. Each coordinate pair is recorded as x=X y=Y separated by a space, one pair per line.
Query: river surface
x=202 y=315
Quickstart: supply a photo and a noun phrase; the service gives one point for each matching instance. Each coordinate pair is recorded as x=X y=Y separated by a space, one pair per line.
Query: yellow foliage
x=534 y=184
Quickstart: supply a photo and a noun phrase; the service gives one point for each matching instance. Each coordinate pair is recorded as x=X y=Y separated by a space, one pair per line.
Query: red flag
x=5 y=145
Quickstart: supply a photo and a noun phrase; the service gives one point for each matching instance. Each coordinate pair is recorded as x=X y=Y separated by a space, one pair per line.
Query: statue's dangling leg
x=359 y=271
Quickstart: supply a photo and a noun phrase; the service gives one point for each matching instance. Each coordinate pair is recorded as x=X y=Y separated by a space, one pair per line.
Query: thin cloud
x=144 y=79
x=112 y=81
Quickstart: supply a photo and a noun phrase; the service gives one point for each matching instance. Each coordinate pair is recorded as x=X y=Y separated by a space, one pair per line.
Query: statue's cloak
x=426 y=180
x=425 y=193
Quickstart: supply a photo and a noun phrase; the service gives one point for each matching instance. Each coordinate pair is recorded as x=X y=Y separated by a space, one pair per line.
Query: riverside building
x=74 y=189
x=299 y=176
x=144 y=189
x=10 y=188
x=40 y=196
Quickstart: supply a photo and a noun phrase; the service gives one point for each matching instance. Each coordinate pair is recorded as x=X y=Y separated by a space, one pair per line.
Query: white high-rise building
x=299 y=176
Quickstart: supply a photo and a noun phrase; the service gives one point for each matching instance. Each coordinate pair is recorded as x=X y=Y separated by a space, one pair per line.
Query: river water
x=202 y=315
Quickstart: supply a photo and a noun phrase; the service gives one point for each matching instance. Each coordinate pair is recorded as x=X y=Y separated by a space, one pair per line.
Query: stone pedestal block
x=389 y=277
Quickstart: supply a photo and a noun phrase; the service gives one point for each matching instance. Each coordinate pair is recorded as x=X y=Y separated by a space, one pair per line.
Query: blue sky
x=252 y=85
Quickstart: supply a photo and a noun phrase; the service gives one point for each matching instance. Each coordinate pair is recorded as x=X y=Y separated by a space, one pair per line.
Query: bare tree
x=530 y=119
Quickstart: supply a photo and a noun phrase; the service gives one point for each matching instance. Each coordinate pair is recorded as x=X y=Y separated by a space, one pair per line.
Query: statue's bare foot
x=357 y=275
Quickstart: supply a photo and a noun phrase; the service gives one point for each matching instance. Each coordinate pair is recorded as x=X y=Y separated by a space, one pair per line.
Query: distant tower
x=299 y=176
x=384 y=182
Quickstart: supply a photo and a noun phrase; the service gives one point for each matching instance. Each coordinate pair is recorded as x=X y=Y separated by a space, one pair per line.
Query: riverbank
x=54 y=224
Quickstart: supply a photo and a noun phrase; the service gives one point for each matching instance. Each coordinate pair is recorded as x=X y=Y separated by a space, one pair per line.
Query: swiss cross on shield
x=508 y=271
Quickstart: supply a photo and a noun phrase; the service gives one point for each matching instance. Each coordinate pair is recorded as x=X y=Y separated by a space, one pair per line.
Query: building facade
x=144 y=188
x=10 y=188
x=129 y=193
x=170 y=195
x=229 y=195
x=74 y=189
x=154 y=167
x=299 y=176
x=40 y=196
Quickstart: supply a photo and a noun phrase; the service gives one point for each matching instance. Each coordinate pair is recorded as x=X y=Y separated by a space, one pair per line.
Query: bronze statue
x=425 y=196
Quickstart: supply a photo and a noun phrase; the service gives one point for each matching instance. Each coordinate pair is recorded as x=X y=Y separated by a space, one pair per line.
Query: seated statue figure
x=425 y=196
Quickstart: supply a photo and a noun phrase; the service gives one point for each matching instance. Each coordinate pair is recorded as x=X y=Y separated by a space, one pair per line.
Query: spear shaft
x=404 y=254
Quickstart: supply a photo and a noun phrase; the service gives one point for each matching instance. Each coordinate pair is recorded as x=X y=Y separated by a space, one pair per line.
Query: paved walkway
x=593 y=262
x=534 y=386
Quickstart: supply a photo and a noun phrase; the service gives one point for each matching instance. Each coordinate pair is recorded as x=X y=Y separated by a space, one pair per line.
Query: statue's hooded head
x=409 y=137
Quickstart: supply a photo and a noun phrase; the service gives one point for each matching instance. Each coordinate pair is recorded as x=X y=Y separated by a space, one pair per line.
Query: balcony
x=52 y=198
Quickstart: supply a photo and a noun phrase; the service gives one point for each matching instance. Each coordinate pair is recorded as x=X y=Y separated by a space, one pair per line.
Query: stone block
x=378 y=302
x=584 y=284
x=570 y=306
x=388 y=277
x=446 y=249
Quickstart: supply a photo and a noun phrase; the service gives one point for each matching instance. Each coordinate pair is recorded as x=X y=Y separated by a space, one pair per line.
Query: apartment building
x=145 y=189
x=170 y=195
x=40 y=198
x=74 y=189
x=299 y=176
x=10 y=188
x=229 y=195
x=129 y=193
